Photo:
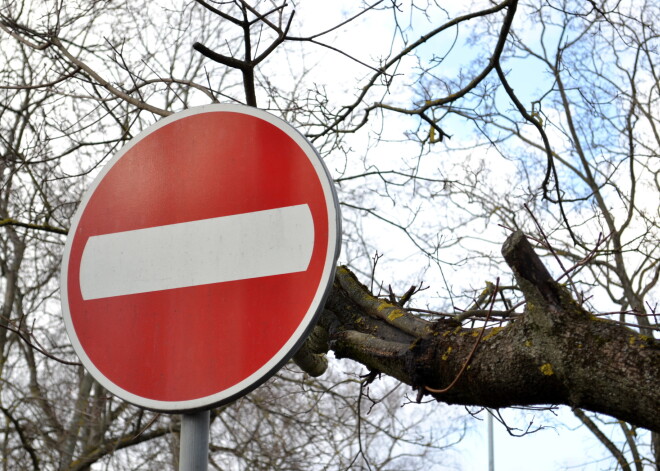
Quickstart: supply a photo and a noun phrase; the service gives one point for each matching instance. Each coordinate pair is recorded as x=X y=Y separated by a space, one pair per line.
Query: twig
x=474 y=348
x=29 y=225
x=43 y=351
x=376 y=257
x=616 y=453
x=144 y=429
x=589 y=256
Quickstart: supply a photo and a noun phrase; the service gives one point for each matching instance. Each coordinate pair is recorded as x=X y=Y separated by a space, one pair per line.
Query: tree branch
x=553 y=353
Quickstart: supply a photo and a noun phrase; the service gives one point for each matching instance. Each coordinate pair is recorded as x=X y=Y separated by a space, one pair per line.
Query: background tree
x=436 y=140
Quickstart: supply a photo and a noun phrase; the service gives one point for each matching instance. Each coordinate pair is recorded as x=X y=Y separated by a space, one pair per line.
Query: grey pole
x=491 y=442
x=194 y=442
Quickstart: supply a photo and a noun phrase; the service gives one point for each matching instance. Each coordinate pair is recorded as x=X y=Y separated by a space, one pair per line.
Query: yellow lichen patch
x=446 y=355
x=528 y=343
x=642 y=339
x=395 y=314
x=494 y=331
x=546 y=369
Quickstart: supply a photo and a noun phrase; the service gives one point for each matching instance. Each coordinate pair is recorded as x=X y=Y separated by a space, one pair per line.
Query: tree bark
x=554 y=353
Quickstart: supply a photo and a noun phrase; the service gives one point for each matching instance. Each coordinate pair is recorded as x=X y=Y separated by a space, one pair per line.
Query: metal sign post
x=194 y=441
x=491 y=442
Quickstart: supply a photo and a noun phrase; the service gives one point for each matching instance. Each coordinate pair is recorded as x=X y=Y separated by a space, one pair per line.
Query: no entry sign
x=199 y=257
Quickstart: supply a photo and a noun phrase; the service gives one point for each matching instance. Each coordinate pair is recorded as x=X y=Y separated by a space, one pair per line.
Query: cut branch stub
x=532 y=276
x=546 y=299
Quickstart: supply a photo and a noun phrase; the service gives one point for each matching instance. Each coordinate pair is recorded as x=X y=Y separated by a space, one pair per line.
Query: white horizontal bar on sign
x=250 y=245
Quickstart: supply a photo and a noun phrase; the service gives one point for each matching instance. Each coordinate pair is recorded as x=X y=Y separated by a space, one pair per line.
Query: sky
x=562 y=444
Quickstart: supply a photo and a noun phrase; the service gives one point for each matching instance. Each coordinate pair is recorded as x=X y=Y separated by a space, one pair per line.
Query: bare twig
x=474 y=348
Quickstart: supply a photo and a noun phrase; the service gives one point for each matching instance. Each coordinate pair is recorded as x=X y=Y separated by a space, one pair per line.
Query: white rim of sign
x=291 y=346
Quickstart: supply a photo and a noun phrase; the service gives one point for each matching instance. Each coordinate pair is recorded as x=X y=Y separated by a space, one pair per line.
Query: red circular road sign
x=199 y=258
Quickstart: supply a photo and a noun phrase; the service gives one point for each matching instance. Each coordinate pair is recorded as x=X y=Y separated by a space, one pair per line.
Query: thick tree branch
x=554 y=353
x=311 y=356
